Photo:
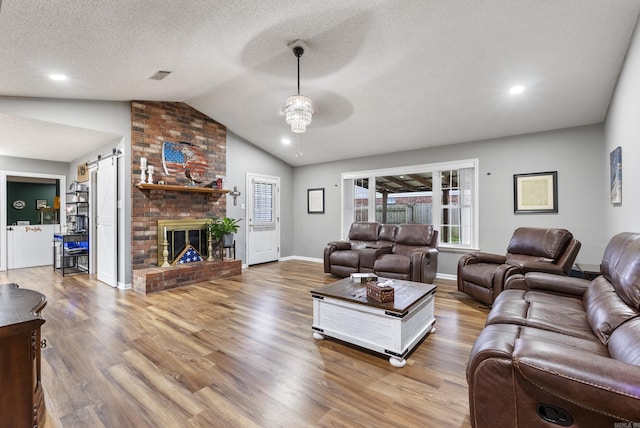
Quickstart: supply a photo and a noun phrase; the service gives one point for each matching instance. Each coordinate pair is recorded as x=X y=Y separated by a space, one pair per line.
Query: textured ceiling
x=384 y=75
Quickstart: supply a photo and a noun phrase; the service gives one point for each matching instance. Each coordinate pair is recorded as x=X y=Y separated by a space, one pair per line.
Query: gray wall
x=242 y=158
x=623 y=129
x=576 y=154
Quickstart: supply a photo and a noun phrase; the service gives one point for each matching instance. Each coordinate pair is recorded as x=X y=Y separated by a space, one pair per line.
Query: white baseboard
x=307 y=259
x=447 y=276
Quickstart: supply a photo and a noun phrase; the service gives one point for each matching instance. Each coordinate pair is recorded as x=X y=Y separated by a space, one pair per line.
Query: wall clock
x=18 y=204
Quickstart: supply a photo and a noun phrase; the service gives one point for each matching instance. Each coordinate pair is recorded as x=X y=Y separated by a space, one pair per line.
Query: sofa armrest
x=330 y=248
x=424 y=264
x=480 y=257
x=565 y=285
x=590 y=380
x=540 y=266
x=340 y=245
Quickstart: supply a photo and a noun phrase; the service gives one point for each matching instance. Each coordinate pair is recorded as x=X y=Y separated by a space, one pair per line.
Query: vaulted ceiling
x=384 y=75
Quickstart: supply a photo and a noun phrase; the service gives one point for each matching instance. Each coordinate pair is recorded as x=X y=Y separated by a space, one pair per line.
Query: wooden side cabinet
x=21 y=395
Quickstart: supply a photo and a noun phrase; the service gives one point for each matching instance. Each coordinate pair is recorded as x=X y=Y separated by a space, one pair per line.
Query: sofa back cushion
x=418 y=235
x=387 y=234
x=605 y=309
x=544 y=244
x=410 y=236
x=621 y=266
x=362 y=232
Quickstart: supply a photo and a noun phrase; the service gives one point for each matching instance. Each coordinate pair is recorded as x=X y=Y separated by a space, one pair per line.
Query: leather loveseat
x=404 y=251
x=562 y=351
x=483 y=275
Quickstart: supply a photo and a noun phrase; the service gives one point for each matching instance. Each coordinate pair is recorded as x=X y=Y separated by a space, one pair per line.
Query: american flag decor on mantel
x=188 y=255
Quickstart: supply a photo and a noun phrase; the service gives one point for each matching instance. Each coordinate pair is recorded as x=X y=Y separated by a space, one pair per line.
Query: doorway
x=263 y=211
x=26 y=236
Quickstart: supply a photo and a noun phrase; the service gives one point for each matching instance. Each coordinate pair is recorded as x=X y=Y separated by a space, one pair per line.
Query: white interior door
x=106 y=223
x=263 y=237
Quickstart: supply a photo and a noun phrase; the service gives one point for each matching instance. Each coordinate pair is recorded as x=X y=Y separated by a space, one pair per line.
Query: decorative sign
x=184 y=159
x=83 y=173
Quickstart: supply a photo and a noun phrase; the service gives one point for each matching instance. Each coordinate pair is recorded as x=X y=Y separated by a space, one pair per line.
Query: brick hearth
x=157 y=279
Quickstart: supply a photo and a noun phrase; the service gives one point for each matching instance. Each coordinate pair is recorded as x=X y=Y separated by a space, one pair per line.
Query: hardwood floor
x=237 y=352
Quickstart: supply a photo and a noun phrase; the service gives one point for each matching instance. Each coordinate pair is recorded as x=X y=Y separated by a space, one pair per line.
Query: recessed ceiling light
x=515 y=90
x=57 y=77
x=286 y=141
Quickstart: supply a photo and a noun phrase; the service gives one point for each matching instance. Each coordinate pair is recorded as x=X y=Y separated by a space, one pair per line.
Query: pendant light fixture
x=298 y=108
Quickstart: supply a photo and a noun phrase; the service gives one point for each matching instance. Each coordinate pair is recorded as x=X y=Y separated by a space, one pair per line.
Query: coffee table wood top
x=406 y=293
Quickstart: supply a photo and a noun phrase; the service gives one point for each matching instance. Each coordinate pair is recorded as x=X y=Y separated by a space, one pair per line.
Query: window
x=263 y=205
x=438 y=194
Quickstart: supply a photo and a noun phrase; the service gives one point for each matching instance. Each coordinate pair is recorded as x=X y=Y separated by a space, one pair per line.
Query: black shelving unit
x=71 y=253
x=78 y=211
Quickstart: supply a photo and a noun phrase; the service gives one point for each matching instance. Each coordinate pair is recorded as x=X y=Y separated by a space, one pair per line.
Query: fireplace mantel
x=172 y=187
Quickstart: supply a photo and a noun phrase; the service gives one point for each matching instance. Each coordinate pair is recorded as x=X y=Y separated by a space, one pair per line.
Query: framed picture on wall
x=41 y=203
x=535 y=193
x=615 y=159
x=315 y=201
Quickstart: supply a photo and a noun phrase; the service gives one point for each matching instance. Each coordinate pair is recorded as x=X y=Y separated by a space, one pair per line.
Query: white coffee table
x=342 y=310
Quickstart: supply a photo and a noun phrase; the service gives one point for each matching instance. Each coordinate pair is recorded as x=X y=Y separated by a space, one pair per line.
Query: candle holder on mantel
x=210 y=247
x=165 y=253
x=143 y=168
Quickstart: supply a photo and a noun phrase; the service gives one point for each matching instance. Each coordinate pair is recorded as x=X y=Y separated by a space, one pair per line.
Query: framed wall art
x=41 y=203
x=535 y=193
x=315 y=201
x=615 y=160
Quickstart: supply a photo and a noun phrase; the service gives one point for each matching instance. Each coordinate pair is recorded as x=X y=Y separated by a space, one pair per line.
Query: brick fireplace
x=154 y=124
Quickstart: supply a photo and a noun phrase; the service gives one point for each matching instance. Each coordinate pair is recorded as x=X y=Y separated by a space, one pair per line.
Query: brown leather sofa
x=483 y=275
x=562 y=351
x=410 y=251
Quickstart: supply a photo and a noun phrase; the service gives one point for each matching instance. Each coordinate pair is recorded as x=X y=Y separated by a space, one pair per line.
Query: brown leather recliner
x=562 y=351
x=414 y=255
x=483 y=275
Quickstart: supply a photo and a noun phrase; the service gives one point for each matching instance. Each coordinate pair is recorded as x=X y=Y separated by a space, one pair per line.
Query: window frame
x=346 y=212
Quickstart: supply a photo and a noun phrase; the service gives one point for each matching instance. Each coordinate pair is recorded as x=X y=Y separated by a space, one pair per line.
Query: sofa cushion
x=364 y=231
x=605 y=310
x=541 y=310
x=541 y=243
x=624 y=342
x=414 y=234
x=480 y=273
x=621 y=266
x=349 y=258
x=392 y=263
x=387 y=234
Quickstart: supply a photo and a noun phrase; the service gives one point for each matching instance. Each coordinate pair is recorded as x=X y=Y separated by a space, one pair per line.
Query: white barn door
x=106 y=221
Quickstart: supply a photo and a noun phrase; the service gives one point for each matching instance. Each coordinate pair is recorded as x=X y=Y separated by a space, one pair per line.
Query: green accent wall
x=28 y=192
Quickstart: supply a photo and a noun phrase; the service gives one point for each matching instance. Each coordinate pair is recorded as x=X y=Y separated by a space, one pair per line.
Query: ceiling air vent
x=160 y=75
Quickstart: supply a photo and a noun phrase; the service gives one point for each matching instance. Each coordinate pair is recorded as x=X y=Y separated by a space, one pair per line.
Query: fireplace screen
x=179 y=234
